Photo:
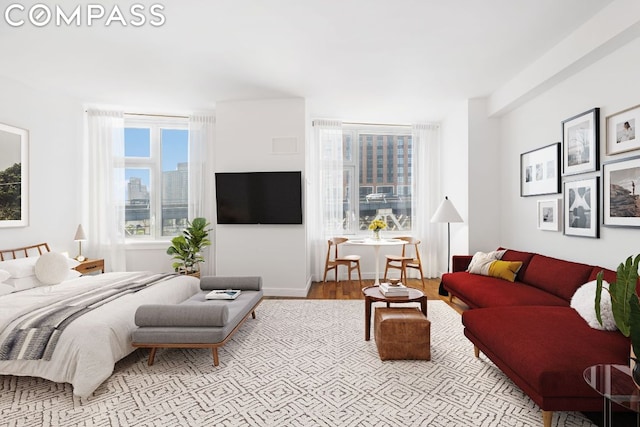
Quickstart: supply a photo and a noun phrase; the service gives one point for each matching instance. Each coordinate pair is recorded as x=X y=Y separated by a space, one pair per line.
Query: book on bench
x=223 y=294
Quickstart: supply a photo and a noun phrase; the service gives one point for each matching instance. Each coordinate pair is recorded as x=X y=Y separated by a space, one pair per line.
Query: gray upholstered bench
x=198 y=322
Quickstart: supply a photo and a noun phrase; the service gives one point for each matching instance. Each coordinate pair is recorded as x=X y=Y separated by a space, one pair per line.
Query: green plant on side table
x=625 y=307
x=186 y=248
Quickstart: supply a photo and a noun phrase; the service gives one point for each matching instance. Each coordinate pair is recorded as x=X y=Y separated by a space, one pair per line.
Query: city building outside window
x=380 y=159
x=156 y=177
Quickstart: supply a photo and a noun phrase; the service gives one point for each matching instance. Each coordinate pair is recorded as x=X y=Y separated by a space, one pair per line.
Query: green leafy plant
x=624 y=300
x=186 y=248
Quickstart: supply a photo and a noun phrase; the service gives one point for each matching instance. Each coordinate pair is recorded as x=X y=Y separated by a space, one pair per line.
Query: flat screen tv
x=259 y=197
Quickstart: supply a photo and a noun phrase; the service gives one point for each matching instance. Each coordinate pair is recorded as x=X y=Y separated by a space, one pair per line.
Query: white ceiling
x=351 y=59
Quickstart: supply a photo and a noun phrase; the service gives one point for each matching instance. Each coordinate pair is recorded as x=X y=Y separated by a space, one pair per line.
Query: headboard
x=24 y=252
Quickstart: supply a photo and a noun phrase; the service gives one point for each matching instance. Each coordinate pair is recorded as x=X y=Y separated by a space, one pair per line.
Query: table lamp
x=80 y=237
x=446 y=212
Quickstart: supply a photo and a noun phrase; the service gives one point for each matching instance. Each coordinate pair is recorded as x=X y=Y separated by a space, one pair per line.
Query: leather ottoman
x=402 y=333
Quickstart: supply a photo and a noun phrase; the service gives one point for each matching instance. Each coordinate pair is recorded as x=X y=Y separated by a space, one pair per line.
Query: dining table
x=376 y=244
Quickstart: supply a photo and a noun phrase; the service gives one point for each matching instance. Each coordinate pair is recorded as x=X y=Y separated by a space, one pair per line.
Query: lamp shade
x=80 y=236
x=446 y=212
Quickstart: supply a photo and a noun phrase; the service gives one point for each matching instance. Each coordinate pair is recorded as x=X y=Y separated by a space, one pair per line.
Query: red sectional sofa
x=528 y=329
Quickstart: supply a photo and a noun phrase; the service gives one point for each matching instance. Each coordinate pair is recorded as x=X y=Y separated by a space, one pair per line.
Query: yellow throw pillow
x=506 y=270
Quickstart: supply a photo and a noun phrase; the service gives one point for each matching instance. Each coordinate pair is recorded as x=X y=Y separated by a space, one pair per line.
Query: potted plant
x=186 y=248
x=625 y=307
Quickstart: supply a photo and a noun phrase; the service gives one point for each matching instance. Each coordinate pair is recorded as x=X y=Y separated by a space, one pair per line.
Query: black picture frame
x=581 y=143
x=581 y=207
x=540 y=171
x=620 y=192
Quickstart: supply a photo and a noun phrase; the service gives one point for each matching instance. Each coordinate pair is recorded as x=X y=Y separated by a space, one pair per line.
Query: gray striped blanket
x=35 y=334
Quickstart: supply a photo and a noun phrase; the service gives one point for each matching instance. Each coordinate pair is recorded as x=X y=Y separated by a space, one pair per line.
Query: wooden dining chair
x=333 y=261
x=410 y=258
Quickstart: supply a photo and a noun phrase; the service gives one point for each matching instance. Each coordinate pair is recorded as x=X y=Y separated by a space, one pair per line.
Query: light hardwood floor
x=345 y=289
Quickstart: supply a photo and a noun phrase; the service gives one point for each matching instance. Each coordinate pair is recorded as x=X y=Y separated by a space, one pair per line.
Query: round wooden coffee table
x=372 y=294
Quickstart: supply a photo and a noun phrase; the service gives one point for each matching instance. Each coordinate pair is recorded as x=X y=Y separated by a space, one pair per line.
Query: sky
x=174 y=149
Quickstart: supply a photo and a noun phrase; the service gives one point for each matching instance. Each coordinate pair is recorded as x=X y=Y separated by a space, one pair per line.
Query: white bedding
x=91 y=345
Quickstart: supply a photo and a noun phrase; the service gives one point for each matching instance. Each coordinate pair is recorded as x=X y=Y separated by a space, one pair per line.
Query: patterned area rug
x=300 y=363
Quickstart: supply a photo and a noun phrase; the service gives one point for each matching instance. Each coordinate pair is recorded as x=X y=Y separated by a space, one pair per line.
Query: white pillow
x=583 y=301
x=23 y=283
x=481 y=259
x=52 y=268
x=19 y=267
x=6 y=289
x=4 y=275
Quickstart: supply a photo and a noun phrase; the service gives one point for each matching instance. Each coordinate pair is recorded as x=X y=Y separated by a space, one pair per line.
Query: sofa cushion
x=583 y=301
x=548 y=348
x=244 y=283
x=182 y=315
x=484 y=291
x=556 y=276
x=525 y=257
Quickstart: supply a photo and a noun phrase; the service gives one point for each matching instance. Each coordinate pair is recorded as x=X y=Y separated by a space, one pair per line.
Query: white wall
x=484 y=179
x=244 y=133
x=455 y=178
x=55 y=130
x=610 y=84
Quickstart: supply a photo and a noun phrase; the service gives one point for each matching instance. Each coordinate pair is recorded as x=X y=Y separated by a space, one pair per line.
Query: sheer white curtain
x=201 y=140
x=425 y=171
x=105 y=180
x=324 y=190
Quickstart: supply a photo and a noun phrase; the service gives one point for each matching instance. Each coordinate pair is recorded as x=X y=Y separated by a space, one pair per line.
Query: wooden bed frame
x=24 y=252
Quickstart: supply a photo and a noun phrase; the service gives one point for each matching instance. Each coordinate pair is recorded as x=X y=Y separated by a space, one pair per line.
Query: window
x=383 y=167
x=156 y=177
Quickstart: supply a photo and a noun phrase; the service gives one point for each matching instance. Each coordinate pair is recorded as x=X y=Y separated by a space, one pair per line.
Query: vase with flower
x=376 y=225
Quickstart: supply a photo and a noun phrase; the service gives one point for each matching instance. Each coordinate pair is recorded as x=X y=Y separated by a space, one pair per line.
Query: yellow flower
x=377 y=224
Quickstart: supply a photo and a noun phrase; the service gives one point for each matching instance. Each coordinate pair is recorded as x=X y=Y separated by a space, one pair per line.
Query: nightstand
x=90 y=266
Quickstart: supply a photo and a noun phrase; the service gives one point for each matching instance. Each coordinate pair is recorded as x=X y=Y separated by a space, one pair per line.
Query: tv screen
x=259 y=197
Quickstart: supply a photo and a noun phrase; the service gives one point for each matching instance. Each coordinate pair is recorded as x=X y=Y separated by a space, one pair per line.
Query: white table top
x=374 y=242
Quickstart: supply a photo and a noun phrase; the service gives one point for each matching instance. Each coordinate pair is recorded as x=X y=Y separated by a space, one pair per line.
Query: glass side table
x=614 y=383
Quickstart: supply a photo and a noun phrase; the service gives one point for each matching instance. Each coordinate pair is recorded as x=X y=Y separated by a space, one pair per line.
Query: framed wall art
x=621 y=185
x=621 y=131
x=14 y=176
x=549 y=215
x=581 y=208
x=580 y=142
x=540 y=171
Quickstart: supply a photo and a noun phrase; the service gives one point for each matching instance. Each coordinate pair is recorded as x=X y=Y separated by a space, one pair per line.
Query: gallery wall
x=609 y=84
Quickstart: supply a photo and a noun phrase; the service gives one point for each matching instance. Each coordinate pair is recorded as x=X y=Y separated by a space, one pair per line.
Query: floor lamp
x=446 y=213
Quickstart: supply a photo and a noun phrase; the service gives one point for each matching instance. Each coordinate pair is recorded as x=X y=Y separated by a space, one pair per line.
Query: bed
x=89 y=346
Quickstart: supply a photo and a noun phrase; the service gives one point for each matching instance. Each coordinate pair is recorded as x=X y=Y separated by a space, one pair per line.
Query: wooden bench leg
x=476 y=351
x=547 y=418
x=152 y=355
x=450 y=298
x=214 y=351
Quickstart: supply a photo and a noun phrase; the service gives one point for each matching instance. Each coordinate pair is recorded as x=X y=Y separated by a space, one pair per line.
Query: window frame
x=352 y=226
x=155 y=125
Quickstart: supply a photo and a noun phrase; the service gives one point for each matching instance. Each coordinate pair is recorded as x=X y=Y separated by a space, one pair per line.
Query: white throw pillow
x=23 y=283
x=52 y=268
x=481 y=259
x=583 y=301
x=4 y=275
x=20 y=267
